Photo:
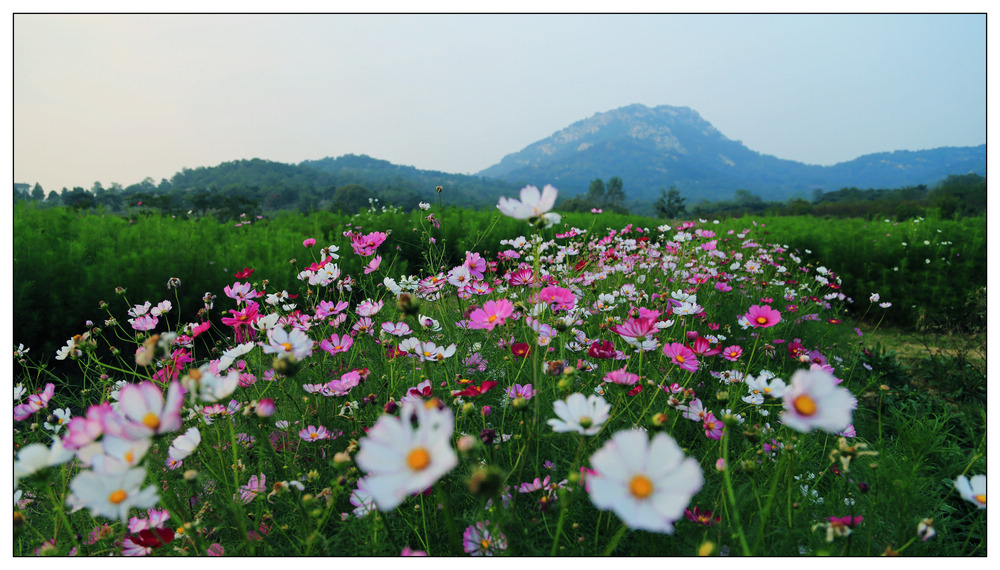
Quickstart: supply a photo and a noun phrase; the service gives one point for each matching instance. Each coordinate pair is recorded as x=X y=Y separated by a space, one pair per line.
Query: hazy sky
x=117 y=98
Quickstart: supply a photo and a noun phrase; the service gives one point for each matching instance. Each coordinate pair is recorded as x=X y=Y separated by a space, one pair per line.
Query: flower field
x=408 y=386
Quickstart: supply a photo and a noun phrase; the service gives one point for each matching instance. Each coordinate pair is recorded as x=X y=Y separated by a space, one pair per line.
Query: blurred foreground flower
x=973 y=491
x=533 y=204
x=401 y=459
x=648 y=484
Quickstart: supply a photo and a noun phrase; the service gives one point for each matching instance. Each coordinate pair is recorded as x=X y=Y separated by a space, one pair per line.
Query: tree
x=614 y=195
x=37 y=194
x=670 y=204
x=595 y=194
x=351 y=199
x=54 y=198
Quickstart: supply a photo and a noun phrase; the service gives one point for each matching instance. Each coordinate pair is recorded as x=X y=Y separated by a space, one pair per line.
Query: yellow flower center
x=151 y=420
x=679 y=358
x=761 y=320
x=287 y=346
x=804 y=405
x=492 y=318
x=640 y=486
x=118 y=496
x=338 y=347
x=427 y=353
x=485 y=543
x=418 y=459
x=980 y=498
x=129 y=456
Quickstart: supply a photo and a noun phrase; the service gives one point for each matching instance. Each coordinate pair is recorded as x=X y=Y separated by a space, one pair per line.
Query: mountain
x=659 y=147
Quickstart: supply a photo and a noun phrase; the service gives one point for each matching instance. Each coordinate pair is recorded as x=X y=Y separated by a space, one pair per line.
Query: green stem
x=731 y=495
x=615 y=540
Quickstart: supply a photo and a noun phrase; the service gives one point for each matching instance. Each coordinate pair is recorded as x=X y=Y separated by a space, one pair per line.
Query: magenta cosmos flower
x=681 y=356
x=492 y=314
x=762 y=316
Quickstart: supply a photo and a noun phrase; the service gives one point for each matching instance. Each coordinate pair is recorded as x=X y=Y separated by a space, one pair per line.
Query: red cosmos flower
x=153 y=537
x=520 y=349
x=245 y=274
x=602 y=349
x=701 y=517
x=474 y=390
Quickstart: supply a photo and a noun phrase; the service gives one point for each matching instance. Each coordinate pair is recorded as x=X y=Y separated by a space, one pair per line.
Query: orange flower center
x=151 y=420
x=287 y=346
x=492 y=318
x=118 y=496
x=679 y=358
x=418 y=459
x=485 y=543
x=640 y=486
x=804 y=405
x=980 y=498
x=761 y=320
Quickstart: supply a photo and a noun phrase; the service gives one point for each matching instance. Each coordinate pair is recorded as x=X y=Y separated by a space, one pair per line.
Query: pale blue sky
x=118 y=98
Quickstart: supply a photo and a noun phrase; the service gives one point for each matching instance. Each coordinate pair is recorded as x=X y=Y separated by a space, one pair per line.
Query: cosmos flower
x=113 y=495
x=973 y=490
x=681 y=355
x=478 y=540
x=401 y=457
x=533 y=204
x=762 y=317
x=648 y=484
x=812 y=400
x=582 y=414
x=492 y=314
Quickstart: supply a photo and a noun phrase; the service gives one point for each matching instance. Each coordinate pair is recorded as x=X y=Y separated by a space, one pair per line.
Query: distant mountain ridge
x=663 y=146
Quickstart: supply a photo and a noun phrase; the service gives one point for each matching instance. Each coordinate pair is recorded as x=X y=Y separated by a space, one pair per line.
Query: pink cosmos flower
x=732 y=353
x=397 y=329
x=681 y=356
x=373 y=264
x=308 y=242
x=561 y=299
x=256 y=486
x=713 y=426
x=642 y=327
x=35 y=403
x=621 y=377
x=478 y=540
x=242 y=321
x=762 y=316
x=336 y=343
x=517 y=390
x=722 y=286
x=313 y=433
x=241 y=292
x=365 y=245
x=492 y=314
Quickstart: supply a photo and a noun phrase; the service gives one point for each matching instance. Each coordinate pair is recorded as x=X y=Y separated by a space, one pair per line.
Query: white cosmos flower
x=401 y=459
x=185 y=444
x=582 y=414
x=814 y=400
x=973 y=490
x=37 y=456
x=532 y=204
x=646 y=483
x=112 y=496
